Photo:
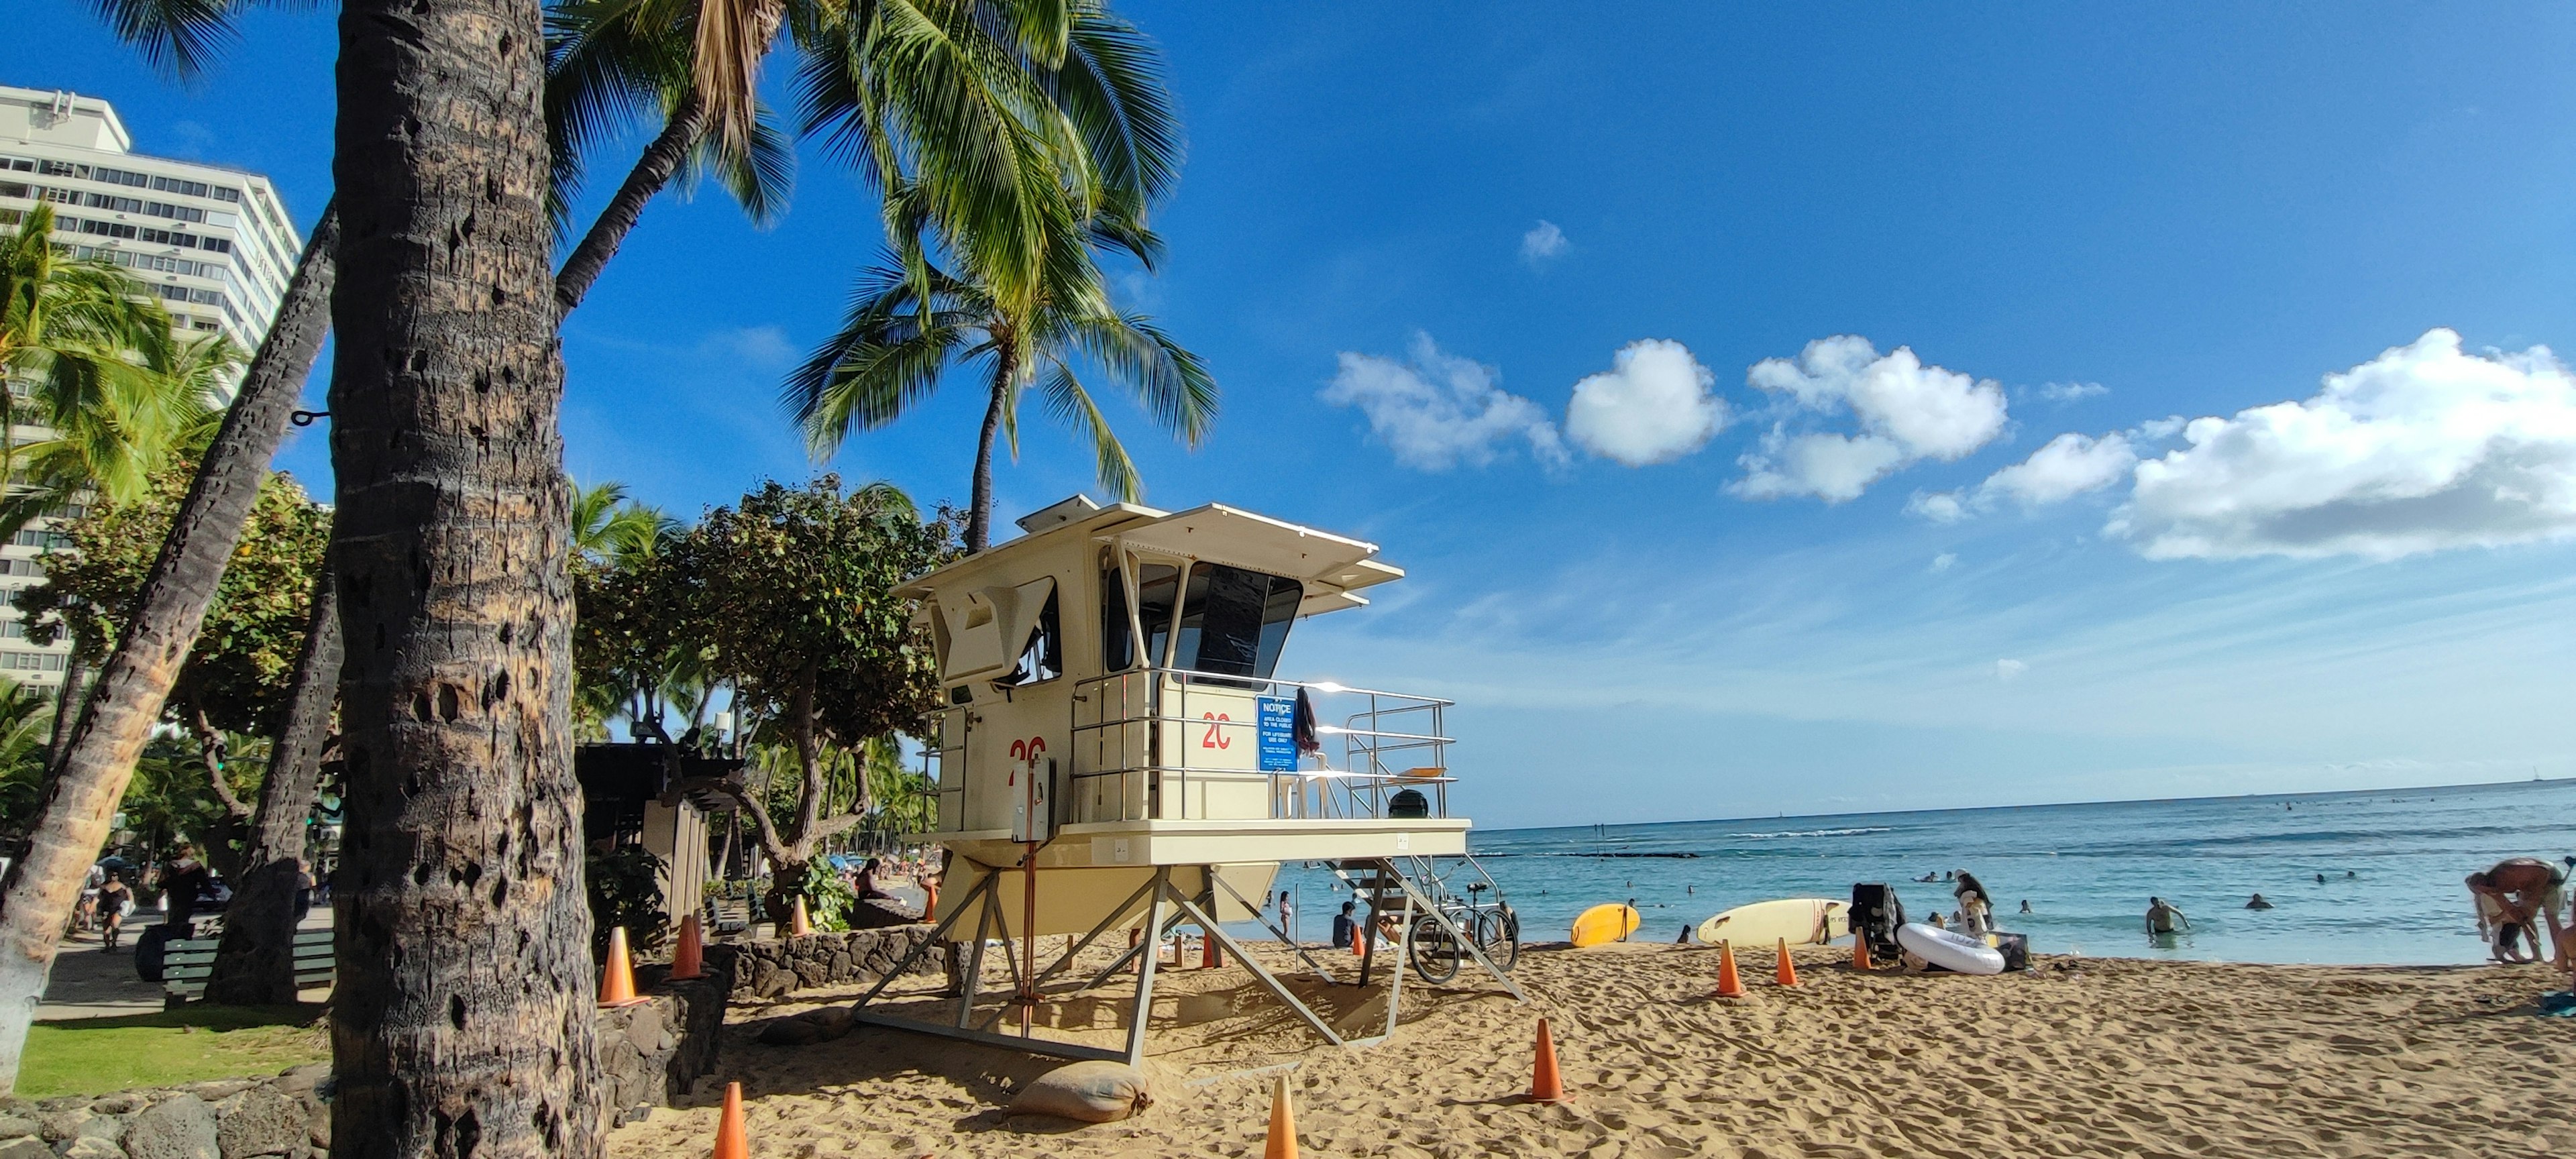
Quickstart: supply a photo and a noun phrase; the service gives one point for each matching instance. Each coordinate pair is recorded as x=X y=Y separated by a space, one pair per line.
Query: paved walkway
x=92 y=982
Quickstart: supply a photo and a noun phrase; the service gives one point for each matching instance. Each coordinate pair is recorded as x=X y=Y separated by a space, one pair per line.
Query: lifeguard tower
x=1116 y=753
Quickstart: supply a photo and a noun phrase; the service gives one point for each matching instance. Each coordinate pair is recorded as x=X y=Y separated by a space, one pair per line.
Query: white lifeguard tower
x=1116 y=753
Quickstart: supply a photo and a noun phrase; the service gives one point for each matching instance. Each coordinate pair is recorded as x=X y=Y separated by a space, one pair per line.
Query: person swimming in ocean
x=2163 y=918
x=2258 y=903
x=2025 y=905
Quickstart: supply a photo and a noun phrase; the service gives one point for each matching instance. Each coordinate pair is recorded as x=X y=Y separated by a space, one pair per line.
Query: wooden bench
x=186 y=965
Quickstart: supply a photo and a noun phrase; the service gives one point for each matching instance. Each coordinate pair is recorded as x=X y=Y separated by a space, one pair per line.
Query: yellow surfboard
x=1604 y=923
x=1804 y=921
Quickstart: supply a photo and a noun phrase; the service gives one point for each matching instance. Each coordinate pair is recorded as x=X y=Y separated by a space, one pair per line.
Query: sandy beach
x=2085 y=1056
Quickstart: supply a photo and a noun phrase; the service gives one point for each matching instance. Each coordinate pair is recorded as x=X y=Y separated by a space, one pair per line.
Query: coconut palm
x=910 y=323
x=68 y=332
x=117 y=422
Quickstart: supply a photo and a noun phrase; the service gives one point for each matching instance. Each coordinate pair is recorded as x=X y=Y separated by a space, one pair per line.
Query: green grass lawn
x=93 y=1056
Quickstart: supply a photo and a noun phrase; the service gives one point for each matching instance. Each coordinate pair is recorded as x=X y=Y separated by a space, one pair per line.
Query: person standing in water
x=2163 y=918
x=2258 y=903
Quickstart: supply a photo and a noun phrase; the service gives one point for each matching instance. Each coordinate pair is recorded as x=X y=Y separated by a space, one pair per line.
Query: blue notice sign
x=1278 y=729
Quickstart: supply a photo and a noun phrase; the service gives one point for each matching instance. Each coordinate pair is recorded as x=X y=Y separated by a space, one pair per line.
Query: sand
x=2085 y=1056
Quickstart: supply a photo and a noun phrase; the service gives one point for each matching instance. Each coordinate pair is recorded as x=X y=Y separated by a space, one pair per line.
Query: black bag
x=148 y=948
x=1875 y=914
x=2015 y=949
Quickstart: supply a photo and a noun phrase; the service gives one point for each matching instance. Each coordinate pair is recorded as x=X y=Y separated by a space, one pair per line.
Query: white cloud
x=1652 y=406
x=1834 y=468
x=2072 y=391
x=2158 y=430
x=1940 y=506
x=2068 y=466
x=2422 y=448
x=1436 y=411
x=1907 y=411
x=1944 y=561
x=760 y=347
x=2007 y=671
x=1542 y=242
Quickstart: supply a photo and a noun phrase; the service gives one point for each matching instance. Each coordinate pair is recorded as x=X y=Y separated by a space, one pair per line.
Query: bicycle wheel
x=1498 y=934
x=1435 y=954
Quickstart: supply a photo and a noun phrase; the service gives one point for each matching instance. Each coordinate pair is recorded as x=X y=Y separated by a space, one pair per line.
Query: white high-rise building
x=214 y=243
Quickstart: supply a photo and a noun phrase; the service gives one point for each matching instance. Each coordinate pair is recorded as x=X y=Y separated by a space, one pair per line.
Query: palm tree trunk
x=255 y=964
x=117 y=716
x=462 y=1025
x=979 y=508
x=652 y=171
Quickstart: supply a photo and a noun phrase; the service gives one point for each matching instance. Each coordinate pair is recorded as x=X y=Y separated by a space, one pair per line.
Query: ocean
x=2392 y=862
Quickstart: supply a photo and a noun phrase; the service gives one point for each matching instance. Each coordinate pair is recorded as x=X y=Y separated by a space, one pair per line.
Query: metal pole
x=1145 y=973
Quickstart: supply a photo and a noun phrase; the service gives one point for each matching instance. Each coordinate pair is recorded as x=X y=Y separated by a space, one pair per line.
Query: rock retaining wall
x=769 y=969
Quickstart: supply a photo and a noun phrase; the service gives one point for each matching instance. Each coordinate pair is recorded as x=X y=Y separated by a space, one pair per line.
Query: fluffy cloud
x=1834 y=468
x=1652 y=406
x=1907 y=411
x=1436 y=411
x=2422 y=448
x=2068 y=466
x=2071 y=391
x=1542 y=242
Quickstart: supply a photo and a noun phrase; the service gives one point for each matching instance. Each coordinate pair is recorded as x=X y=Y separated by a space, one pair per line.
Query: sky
x=1783 y=409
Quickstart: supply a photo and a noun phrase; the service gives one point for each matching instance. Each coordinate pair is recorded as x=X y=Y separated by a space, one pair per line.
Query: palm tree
x=909 y=323
x=464 y=1006
x=68 y=330
x=118 y=422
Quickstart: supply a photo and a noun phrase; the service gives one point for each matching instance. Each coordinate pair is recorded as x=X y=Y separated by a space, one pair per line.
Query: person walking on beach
x=2163 y=918
x=1288 y=916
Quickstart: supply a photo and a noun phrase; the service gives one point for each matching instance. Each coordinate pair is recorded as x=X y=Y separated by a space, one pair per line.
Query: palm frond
x=176 y=37
x=1072 y=405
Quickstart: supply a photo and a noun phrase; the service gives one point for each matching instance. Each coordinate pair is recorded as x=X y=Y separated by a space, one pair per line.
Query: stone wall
x=649 y=1054
x=771 y=968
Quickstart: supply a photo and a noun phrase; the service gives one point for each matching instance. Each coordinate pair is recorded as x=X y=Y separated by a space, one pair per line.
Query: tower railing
x=1138 y=735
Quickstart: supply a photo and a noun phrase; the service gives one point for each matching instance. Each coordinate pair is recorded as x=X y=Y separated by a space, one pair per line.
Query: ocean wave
x=1813 y=833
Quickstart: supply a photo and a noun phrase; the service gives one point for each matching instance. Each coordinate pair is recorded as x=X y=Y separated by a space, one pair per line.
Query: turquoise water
x=2392 y=859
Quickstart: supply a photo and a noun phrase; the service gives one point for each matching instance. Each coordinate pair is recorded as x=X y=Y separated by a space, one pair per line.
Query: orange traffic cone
x=1359 y=942
x=617 y=981
x=1728 y=986
x=688 y=961
x=1788 y=966
x=1545 y=1086
x=1860 y=953
x=801 y=925
x=1210 y=957
x=731 y=1142
x=1283 y=1124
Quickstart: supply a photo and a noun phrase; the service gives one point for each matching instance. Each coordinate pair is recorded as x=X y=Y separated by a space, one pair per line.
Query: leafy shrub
x=625 y=890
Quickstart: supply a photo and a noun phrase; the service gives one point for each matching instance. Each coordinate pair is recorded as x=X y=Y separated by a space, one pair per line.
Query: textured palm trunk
x=117 y=715
x=979 y=506
x=255 y=963
x=652 y=171
x=462 y=1022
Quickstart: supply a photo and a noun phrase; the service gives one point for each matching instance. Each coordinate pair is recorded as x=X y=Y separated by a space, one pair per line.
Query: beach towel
x=1301 y=726
x=2558 y=1004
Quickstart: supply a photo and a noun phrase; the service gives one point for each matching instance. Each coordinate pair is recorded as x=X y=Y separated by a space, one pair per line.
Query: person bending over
x=2526 y=892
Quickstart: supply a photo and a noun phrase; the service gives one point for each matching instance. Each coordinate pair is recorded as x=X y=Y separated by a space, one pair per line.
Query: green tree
x=909 y=323
x=239 y=671
x=86 y=350
x=791 y=596
x=24 y=714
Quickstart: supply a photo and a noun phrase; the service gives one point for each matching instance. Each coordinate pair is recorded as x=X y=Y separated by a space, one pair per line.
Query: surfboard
x=1604 y=923
x=1804 y=921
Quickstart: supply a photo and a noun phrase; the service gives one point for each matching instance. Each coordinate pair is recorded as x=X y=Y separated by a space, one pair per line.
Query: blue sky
x=1405 y=235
